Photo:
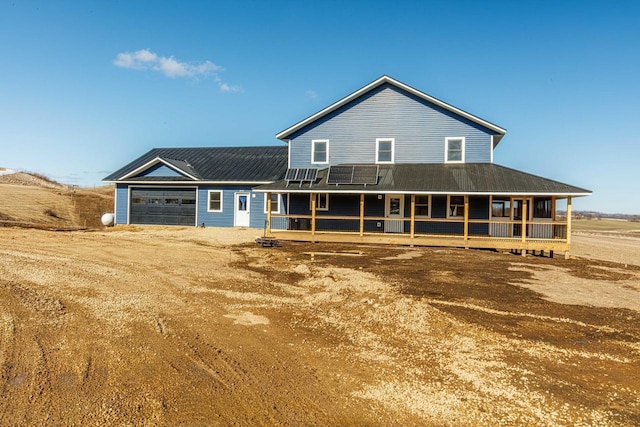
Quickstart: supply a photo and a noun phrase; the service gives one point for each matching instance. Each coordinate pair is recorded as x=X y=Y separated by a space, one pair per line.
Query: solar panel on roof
x=365 y=174
x=311 y=175
x=291 y=174
x=301 y=174
x=340 y=175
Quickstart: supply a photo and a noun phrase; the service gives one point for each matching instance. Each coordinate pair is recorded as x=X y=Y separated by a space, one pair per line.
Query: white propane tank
x=107 y=219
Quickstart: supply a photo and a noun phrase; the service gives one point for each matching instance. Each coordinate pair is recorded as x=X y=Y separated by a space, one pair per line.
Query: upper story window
x=215 y=201
x=275 y=203
x=454 y=150
x=384 y=150
x=320 y=151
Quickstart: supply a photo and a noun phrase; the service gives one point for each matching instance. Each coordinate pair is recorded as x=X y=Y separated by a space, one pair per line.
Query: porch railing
x=537 y=229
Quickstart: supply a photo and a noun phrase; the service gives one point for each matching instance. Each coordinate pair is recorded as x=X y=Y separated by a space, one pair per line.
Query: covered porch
x=480 y=205
x=521 y=223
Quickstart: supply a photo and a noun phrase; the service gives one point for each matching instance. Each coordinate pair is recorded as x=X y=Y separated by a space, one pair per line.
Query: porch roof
x=437 y=178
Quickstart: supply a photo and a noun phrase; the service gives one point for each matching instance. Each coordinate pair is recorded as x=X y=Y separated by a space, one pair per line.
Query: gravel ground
x=168 y=325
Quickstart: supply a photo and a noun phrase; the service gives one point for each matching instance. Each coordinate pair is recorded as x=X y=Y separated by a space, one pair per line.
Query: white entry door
x=242 y=211
x=394 y=213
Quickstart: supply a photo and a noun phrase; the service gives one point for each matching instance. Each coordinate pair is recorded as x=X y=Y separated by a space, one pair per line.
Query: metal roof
x=499 y=131
x=212 y=164
x=437 y=178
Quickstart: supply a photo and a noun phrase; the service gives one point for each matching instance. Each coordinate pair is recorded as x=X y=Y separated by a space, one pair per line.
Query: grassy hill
x=32 y=200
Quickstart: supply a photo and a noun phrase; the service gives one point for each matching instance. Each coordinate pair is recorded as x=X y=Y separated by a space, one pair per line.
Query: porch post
x=268 y=230
x=466 y=221
x=525 y=212
x=412 y=225
x=566 y=254
x=313 y=216
x=361 y=214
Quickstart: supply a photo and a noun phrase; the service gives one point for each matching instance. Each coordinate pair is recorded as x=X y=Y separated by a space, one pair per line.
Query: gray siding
x=160 y=170
x=419 y=129
x=479 y=209
x=258 y=215
x=210 y=219
x=226 y=217
x=122 y=203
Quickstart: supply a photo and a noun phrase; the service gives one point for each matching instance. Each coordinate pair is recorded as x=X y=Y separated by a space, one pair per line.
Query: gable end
x=286 y=134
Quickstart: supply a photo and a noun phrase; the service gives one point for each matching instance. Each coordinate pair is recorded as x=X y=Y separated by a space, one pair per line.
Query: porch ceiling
x=436 y=178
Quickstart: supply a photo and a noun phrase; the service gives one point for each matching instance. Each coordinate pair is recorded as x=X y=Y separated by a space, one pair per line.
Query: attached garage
x=163 y=206
x=196 y=186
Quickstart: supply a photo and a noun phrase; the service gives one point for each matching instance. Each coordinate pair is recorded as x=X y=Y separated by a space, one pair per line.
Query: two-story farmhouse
x=385 y=164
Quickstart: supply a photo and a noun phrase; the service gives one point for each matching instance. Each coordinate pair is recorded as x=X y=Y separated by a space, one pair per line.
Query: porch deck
x=473 y=242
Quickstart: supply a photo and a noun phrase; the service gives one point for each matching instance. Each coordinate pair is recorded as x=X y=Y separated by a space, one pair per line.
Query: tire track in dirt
x=26 y=373
x=7 y=355
x=237 y=386
x=40 y=387
x=109 y=339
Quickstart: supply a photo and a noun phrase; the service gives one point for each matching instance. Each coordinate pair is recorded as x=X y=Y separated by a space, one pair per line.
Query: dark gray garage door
x=167 y=206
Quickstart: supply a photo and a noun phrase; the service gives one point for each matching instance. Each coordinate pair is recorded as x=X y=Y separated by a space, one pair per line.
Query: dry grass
x=31 y=179
x=606 y=226
x=45 y=207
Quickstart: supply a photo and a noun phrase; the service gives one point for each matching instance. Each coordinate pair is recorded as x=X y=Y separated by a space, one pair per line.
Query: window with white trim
x=500 y=207
x=542 y=207
x=455 y=206
x=423 y=206
x=322 y=202
x=454 y=150
x=214 y=203
x=385 y=150
x=275 y=203
x=320 y=151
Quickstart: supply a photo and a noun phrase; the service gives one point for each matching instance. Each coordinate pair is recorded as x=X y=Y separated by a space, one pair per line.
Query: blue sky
x=88 y=86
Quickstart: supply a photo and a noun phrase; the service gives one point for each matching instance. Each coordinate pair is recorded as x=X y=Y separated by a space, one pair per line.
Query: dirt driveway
x=610 y=247
x=186 y=326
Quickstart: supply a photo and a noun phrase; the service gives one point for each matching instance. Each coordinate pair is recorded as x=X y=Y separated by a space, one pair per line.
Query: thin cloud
x=227 y=88
x=311 y=94
x=144 y=60
x=139 y=60
x=224 y=87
